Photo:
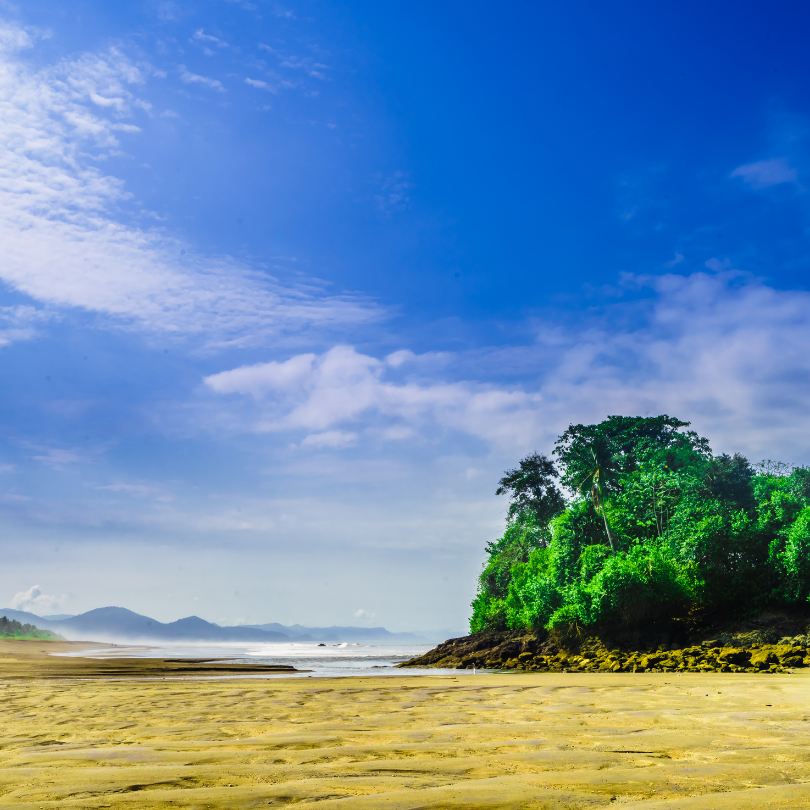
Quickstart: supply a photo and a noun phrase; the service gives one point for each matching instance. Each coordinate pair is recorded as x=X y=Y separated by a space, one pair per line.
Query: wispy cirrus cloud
x=309 y=65
x=22 y=323
x=258 y=83
x=187 y=77
x=765 y=173
x=64 y=245
x=158 y=493
x=56 y=457
x=200 y=36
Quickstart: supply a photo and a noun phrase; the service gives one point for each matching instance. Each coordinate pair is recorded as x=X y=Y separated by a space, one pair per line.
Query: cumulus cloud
x=33 y=600
x=766 y=173
x=723 y=350
x=319 y=392
x=62 y=244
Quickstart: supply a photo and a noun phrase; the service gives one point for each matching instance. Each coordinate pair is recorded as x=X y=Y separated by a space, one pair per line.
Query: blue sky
x=286 y=286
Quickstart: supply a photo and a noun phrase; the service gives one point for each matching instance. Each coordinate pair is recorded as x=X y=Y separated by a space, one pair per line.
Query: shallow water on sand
x=329 y=660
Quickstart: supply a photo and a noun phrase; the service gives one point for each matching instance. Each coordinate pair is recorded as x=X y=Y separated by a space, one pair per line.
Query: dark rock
x=770 y=643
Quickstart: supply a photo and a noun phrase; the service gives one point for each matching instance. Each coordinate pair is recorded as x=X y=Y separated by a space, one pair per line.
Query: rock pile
x=692 y=659
x=528 y=653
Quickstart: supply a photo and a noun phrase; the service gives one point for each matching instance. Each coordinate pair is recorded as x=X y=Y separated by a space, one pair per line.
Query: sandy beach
x=523 y=740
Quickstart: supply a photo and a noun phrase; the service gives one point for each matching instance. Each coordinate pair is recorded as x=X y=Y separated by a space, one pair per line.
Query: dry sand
x=527 y=740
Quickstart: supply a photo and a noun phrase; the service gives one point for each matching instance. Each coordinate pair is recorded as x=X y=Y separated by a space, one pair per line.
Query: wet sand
x=37 y=659
x=523 y=740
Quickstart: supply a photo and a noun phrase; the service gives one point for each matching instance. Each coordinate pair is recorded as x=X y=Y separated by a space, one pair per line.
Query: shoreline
x=38 y=659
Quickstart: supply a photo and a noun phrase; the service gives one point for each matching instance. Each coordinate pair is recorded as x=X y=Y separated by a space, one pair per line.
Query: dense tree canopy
x=654 y=526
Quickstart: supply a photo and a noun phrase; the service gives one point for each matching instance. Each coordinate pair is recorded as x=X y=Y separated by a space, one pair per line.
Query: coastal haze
x=117 y=625
x=118 y=634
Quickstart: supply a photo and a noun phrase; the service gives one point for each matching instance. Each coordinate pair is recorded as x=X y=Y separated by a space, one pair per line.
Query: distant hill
x=25 y=617
x=119 y=624
x=115 y=624
x=337 y=633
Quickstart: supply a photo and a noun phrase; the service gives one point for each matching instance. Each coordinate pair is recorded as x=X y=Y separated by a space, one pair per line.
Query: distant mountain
x=115 y=624
x=336 y=633
x=119 y=624
x=24 y=617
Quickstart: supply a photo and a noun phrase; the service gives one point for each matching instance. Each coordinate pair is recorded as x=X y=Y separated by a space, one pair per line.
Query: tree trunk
x=607 y=529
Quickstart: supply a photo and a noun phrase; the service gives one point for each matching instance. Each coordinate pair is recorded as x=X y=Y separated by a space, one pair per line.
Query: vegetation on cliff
x=635 y=522
x=10 y=628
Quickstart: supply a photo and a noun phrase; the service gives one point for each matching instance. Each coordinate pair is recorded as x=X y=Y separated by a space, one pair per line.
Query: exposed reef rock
x=770 y=643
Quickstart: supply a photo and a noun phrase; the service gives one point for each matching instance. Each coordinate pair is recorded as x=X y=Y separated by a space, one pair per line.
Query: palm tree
x=601 y=469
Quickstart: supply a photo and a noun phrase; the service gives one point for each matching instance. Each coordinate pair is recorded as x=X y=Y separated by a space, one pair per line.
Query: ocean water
x=331 y=660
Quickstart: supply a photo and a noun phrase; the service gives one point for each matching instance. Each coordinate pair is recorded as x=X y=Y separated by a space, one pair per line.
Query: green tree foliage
x=654 y=526
x=601 y=472
x=11 y=628
x=532 y=490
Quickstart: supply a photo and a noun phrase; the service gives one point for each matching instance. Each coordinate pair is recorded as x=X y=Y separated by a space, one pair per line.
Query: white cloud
x=330 y=438
x=258 y=83
x=259 y=379
x=138 y=491
x=63 y=247
x=306 y=64
x=313 y=392
x=720 y=349
x=194 y=78
x=396 y=359
x=394 y=193
x=21 y=323
x=766 y=173
x=168 y=11
x=729 y=356
x=718 y=266
x=33 y=600
x=56 y=457
x=201 y=36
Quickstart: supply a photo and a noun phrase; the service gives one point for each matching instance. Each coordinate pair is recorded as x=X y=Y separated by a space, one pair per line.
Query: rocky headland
x=770 y=643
